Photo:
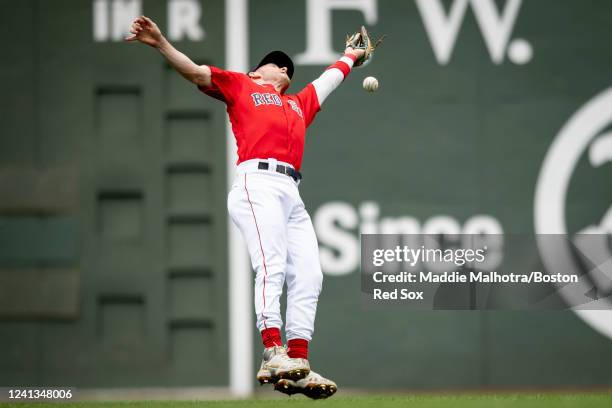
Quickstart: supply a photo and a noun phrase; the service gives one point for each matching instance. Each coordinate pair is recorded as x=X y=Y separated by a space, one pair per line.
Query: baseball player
x=264 y=201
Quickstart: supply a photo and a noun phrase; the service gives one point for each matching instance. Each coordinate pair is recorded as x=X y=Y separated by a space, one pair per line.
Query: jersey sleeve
x=333 y=77
x=225 y=85
x=312 y=97
x=309 y=103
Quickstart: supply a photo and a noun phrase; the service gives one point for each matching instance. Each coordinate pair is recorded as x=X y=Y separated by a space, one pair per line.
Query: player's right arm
x=146 y=31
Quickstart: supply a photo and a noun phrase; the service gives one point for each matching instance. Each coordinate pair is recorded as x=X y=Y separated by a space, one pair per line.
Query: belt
x=286 y=170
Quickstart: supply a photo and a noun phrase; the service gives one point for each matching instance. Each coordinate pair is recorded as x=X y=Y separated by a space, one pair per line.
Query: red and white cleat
x=313 y=386
x=277 y=365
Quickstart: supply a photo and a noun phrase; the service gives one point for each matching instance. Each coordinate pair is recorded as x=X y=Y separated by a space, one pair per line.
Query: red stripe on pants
x=262 y=252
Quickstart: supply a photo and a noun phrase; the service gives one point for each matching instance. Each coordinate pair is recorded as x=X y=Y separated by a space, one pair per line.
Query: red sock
x=271 y=337
x=298 y=348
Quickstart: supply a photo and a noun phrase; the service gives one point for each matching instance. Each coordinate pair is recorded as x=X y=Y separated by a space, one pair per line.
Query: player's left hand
x=356 y=52
x=362 y=46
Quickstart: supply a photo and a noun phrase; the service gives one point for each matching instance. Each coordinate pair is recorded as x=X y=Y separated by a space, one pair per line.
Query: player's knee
x=271 y=276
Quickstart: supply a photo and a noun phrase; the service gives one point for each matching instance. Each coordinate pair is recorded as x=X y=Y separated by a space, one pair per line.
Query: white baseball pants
x=267 y=208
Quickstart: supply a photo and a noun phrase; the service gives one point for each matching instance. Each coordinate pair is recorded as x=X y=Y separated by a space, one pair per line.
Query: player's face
x=274 y=73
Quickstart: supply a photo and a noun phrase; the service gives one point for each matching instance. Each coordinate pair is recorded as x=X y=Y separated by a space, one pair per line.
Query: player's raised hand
x=359 y=53
x=362 y=46
x=146 y=31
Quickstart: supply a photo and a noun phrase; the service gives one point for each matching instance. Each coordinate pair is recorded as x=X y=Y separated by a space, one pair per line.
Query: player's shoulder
x=305 y=91
x=293 y=97
x=221 y=71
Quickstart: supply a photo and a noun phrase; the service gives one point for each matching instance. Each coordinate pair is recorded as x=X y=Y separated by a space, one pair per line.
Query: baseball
x=370 y=84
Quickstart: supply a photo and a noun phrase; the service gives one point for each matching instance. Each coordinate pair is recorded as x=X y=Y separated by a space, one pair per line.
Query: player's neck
x=278 y=85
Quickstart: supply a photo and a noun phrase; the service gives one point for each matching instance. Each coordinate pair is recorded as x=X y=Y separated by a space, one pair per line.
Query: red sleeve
x=225 y=85
x=309 y=103
x=343 y=66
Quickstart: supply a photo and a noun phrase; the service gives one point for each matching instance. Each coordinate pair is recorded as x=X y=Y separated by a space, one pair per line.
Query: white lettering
x=100 y=20
x=319 y=50
x=339 y=252
x=184 y=20
x=495 y=27
x=122 y=15
x=338 y=225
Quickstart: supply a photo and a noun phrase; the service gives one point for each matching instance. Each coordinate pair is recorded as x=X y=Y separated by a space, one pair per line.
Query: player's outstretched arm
x=333 y=76
x=146 y=31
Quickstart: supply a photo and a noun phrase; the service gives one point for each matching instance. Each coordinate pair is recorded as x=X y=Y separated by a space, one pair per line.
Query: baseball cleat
x=313 y=386
x=277 y=365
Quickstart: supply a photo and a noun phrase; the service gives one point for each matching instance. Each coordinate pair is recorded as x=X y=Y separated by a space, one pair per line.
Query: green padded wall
x=112 y=192
x=112 y=206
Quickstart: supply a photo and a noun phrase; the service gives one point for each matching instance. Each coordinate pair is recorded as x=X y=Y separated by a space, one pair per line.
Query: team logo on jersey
x=295 y=107
x=273 y=99
x=266 y=99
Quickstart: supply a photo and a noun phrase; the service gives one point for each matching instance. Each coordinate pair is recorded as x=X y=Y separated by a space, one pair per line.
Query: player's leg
x=258 y=212
x=258 y=209
x=304 y=281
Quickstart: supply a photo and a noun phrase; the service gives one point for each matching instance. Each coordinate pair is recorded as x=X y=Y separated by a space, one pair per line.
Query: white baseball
x=370 y=84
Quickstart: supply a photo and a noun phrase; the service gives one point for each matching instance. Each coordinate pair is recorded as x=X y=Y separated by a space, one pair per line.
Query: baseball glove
x=361 y=41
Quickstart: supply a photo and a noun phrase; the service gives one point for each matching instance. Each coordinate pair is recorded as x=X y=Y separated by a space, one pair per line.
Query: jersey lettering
x=295 y=107
x=266 y=99
x=257 y=99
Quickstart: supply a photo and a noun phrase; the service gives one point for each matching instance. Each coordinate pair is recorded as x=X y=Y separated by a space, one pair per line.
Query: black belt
x=286 y=170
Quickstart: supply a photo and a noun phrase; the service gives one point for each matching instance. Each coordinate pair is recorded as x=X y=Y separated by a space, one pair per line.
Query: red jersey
x=266 y=123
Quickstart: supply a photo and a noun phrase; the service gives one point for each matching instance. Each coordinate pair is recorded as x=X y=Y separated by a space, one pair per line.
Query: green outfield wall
x=113 y=206
x=113 y=225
